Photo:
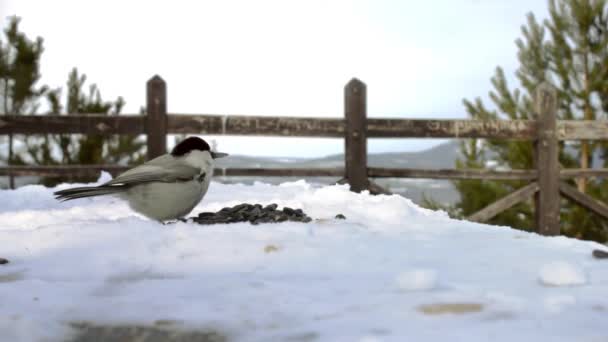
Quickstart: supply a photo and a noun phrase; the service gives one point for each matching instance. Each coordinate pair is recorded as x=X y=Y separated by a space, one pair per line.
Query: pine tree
x=19 y=74
x=84 y=149
x=126 y=149
x=574 y=59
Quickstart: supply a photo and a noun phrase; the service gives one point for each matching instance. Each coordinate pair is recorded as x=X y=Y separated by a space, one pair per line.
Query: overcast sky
x=418 y=58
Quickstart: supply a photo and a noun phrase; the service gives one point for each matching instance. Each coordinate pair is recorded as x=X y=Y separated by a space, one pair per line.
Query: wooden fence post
x=156 y=116
x=11 y=177
x=547 y=162
x=355 y=139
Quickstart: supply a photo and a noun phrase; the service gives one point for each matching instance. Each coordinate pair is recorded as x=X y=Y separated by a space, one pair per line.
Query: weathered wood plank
x=580 y=173
x=156 y=118
x=423 y=128
x=355 y=139
x=547 y=162
x=295 y=126
x=256 y=125
x=584 y=199
x=94 y=170
x=374 y=172
x=582 y=130
x=500 y=129
x=81 y=123
x=504 y=203
x=271 y=172
x=62 y=170
x=377 y=172
x=11 y=178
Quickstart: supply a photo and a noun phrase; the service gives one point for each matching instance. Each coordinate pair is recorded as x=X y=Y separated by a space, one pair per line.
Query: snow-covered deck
x=391 y=271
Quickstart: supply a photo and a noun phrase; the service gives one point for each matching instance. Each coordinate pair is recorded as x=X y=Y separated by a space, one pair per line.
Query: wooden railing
x=355 y=128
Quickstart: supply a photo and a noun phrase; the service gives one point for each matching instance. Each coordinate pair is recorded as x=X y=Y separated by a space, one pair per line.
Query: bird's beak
x=216 y=155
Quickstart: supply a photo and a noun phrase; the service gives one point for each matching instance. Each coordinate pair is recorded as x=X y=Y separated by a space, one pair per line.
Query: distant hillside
x=441 y=156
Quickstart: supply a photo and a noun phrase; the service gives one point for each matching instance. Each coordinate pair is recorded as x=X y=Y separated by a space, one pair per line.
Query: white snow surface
x=391 y=271
x=562 y=273
x=417 y=279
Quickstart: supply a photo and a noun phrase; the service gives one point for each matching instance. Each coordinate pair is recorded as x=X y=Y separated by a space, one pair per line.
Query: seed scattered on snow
x=253 y=213
x=450 y=308
x=271 y=249
x=599 y=254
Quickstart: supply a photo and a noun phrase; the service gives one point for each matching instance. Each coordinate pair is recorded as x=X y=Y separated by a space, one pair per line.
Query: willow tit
x=165 y=188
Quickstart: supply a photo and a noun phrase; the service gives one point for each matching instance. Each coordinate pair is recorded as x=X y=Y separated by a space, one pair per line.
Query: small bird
x=165 y=188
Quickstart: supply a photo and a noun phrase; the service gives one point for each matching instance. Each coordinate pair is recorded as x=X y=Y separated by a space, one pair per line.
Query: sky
x=419 y=59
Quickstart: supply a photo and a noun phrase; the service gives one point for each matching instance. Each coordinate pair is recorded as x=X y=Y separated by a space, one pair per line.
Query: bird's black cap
x=194 y=143
x=190 y=144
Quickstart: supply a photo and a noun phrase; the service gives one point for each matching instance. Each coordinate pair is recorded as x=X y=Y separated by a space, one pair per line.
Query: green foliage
x=574 y=59
x=430 y=203
x=85 y=149
x=19 y=73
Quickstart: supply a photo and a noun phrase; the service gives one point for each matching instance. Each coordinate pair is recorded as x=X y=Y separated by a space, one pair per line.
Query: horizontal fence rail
x=377 y=172
x=62 y=170
x=94 y=170
x=423 y=128
x=72 y=124
x=373 y=172
x=256 y=125
x=297 y=126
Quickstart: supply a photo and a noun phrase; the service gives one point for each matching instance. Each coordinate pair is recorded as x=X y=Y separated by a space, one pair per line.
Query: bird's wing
x=178 y=172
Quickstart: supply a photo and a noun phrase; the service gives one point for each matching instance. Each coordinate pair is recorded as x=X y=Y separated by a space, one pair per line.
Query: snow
x=418 y=279
x=557 y=303
x=391 y=271
x=562 y=273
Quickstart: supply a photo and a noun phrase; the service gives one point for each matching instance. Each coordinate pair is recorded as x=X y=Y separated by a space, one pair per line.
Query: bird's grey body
x=165 y=188
x=145 y=199
x=187 y=185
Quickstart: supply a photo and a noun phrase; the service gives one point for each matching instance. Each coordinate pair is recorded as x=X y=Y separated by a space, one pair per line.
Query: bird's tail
x=87 y=191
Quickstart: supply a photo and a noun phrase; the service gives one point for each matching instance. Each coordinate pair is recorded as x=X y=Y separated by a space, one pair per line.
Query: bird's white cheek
x=199 y=159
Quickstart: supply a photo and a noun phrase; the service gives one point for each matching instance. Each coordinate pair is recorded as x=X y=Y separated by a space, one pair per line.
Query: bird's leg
x=181 y=219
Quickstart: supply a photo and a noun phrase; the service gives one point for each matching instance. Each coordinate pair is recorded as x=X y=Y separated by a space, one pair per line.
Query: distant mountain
x=440 y=156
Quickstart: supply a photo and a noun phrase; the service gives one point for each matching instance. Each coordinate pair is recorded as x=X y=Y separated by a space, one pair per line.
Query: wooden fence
x=355 y=128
